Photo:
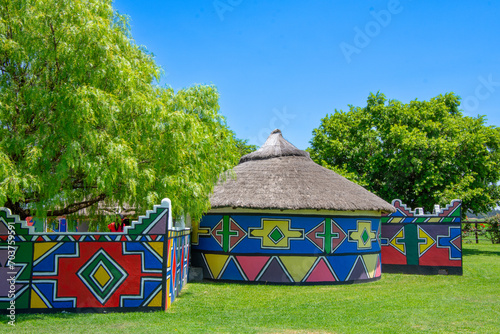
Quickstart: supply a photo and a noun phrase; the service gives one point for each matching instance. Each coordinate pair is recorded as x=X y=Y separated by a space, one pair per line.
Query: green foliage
x=493 y=231
x=243 y=147
x=82 y=120
x=423 y=152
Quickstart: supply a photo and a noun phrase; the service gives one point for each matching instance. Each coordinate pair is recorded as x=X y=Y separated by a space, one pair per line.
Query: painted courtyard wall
x=287 y=249
x=415 y=242
x=142 y=268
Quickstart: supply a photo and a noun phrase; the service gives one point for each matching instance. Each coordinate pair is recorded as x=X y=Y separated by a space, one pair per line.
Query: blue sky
x=287 y=64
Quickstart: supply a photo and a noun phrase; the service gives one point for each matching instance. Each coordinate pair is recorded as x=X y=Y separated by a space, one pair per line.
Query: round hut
x=282 y=218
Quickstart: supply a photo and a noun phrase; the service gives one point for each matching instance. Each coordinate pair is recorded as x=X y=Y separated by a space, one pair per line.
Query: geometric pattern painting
x=422 y=243
x=142 y=268
x=292 y=249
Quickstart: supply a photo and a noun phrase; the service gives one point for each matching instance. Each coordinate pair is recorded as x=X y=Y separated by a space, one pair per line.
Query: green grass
x=395 y=304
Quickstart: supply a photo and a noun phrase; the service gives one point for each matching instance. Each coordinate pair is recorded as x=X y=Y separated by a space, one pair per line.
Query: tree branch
x=15 y=208
x=74 y=207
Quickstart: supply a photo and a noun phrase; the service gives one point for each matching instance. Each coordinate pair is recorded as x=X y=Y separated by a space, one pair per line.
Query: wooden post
x=475 y=228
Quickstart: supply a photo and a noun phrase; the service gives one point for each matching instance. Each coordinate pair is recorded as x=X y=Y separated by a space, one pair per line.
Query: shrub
x=493 y=230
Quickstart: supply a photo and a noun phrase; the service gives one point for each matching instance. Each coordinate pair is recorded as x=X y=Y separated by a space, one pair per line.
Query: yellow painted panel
x=169 y=250
x=157 y=246
x=168 y=302
x=298 y=266
x=156 y=301
x=215 y=263
x=371 y=263
x=36 y=301
x=428 y=241
x=401 y=247
x=41 y=248
x=102 y=276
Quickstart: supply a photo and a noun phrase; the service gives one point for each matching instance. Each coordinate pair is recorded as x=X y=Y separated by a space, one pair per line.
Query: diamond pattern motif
x=102 y=275
x=365 y=236
x=276 y=235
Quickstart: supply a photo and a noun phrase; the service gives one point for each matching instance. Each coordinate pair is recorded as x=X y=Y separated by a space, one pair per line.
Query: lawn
x=395 y=304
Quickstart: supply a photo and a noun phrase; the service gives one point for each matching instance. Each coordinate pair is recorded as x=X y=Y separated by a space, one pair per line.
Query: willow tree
x=423 y=152
x=83 y=120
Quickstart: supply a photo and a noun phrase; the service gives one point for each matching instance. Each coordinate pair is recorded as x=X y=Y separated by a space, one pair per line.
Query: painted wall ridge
x=415 y=242
x=161 y=215
x=404 y=210
x=155 y=221
x=8 y=219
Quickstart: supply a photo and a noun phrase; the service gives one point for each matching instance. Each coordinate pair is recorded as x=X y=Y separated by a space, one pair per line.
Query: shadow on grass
x=43 y=316
x=469 y=251
x=64 y=314
x=184 y=294
x=23 y=317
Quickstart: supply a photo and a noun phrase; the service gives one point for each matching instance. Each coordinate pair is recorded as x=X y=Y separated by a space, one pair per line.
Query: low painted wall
x=415 y=242
x=142 y=268
x=287 y=249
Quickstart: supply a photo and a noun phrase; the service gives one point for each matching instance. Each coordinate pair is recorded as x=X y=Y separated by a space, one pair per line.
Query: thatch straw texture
x=275 y=146
x=280 y=176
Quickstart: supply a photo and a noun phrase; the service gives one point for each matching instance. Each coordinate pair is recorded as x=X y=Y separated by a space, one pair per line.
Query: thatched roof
x=280 y=176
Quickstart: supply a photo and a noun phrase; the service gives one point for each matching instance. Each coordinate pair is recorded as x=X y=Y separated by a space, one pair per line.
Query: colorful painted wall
x=142 y=268
x=290 y=249
x=415 y=242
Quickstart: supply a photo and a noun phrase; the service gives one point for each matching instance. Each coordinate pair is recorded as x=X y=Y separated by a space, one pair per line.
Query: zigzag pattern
x=291 y=269
x=406 y=211
x=288 y=249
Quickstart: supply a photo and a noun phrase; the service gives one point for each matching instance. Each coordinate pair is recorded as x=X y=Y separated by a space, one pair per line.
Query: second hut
x=284 y=219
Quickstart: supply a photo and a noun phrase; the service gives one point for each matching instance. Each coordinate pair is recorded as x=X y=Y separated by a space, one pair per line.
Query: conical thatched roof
x=280 y=176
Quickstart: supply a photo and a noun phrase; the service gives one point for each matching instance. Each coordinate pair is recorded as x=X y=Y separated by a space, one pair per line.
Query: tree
x=243 y=147
x=82 y=120
x=423 y=152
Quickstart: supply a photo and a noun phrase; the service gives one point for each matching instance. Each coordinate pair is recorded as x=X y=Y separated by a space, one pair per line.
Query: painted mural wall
x=415 y=242
x=142 y=268
x=287 y=249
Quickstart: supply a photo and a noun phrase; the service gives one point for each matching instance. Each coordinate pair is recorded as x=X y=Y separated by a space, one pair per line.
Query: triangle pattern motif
x=252 y=265
x=274 y=272
x=358 y=271
x=426 y=241
x=321 y=272
x=232 y=271
x=215 y=263
x=298 y=266
x=371 y=262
